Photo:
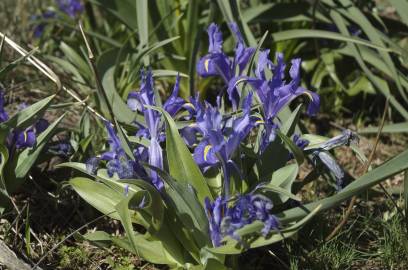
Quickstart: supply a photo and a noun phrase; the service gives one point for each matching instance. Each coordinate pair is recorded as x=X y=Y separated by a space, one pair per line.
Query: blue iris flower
x=39 y=29
x=322 y=155
x=21 y=139
x=299 y=142
x=276 y=93
x=3 y=114
x=217 y=63
x=117 y=161
x=226 y=217
x=71 y=7
x=154 y=130
x=24 y=139
x=220 y=140
x=62 y=149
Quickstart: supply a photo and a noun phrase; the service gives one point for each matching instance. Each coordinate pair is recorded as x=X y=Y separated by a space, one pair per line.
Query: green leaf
x=355 y=14
x=281 y=12
x=4 y=71
x=392 y=128
x=25 y=117
x=22 y=162
x=314 y=140
x=288 y=128
x=152 y=251
x=381 y=85
x=4 y=197
x=154 y=47
x=274 y=157
x=281 y=183
x=100 y=196
x=76 y=59
x=187 y=208
x=116 y=188
x=143 y=26
x=296 y=151
x=401 y=7
x=252 y=61
x=155 y=207
x=157 y=73
x=321 y=34
x=121 y=111
x=124 y=10
x=3 y=160
x=182 y=166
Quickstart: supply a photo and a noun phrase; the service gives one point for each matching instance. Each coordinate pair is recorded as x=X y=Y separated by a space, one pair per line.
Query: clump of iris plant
x=215 y=136
x=72 y=8
x=118 y=163
x=225 y=218
x=21 y=139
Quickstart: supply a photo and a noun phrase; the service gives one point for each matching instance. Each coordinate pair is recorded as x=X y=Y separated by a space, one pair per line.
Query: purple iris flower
x=25 y=139
x=154 y=130
x=299 y=142
x=217 y=63
x=117 y=161
x=21 y=139
x=331 y=164
x=3 y=114
x=174 y=103
x=226 y=217
x=276 y=93
x=63 y=149
x=347 y=137
x=321 y=154
x=92 y=165
x=39 y=29
x=71 y=7
x=41 y=125
x=219 y=141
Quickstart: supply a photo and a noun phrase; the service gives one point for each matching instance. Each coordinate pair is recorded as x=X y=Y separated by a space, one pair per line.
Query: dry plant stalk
x=44 y=69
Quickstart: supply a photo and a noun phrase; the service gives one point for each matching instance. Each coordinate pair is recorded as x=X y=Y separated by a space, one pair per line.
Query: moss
x=72 y=257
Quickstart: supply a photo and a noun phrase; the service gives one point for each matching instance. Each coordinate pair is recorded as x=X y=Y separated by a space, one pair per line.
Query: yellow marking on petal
x=260 y=122
x=25 y=136
x=207 y=149
x=193 y=125
x=188 y=104
x=206 y=63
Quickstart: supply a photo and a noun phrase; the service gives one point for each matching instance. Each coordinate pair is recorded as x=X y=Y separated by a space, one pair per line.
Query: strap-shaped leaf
x=182 y=166
x=3 y=160
x=297 y=153
x=289 y=126
x=100 y=196
x=281 y=183
x=186 y=206
x=152 y=251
